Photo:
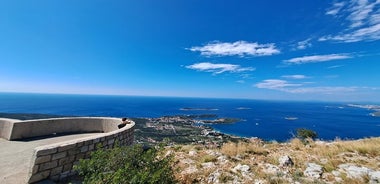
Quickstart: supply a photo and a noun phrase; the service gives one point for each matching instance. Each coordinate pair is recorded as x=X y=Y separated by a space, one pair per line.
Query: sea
x=268 y=120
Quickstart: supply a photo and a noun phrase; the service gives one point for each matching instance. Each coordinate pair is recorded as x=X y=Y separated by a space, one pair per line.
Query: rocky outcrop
x=285 y=161
x=354 y=171
x=320 y=162
x=313 y=171
x=374 y=177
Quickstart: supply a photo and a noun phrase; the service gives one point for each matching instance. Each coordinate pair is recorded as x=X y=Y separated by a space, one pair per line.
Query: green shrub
x=126 y=165
x=304 y=133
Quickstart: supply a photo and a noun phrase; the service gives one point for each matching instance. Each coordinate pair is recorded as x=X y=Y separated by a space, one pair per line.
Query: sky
x=273 y=50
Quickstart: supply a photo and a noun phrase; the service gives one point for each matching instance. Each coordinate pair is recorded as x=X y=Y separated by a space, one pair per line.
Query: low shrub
x=126 y=165
x=304 y=133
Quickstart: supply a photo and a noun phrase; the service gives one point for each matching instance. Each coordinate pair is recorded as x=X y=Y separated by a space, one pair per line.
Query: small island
x=376 y=114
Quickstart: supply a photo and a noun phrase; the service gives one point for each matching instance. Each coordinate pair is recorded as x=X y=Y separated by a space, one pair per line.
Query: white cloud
x=219 y=68
x=317 y=58
x=335 y=9
x=239 y=48
x=325 y=90
x=363 y=19
x=335 y=66
x=240 y=81
x=294 y=76
x=285 y=86
x=275 y=84
x=303 y=44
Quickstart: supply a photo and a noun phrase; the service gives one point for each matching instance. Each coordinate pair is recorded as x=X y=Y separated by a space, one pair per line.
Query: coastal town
x=184 y=129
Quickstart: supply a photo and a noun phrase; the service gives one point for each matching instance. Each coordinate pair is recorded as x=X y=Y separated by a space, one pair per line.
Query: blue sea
x=269 y=120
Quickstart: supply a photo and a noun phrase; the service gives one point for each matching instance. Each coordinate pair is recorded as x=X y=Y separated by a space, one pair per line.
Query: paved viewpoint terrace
x=33 y=150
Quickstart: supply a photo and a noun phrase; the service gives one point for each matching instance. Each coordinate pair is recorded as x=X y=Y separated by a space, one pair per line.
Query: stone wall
x=44 y=127
x=6 y=126
x=56 y=161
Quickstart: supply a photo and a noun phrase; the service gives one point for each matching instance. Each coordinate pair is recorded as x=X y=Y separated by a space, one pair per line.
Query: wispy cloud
x=275 y=84
x=294 y=76
x=285 y=86
x=325 y=90
x=219 y=68
x=335 y=66
x=317 y=58
x=239 y=48
x=303 y=44
x=335 y=8
x=363 y=19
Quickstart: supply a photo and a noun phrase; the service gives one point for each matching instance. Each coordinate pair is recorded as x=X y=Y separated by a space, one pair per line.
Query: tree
x=304 y=133
x=130 y=164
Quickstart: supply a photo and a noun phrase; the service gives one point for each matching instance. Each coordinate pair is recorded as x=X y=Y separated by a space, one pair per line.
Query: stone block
x=39 y=176
x=79 y=156
x=48 y=165
x=83 y=149
x=56 y=170
x=66 y=147
x=88 y=142
x=79 y=144
x=91 y=147
x=96 y=140
x=35 y=169
x=42 y=159
x=67 y=167
x=73 y=151
x=46 y=152
x=59 y=155
x=66 y=160
x=111 y=141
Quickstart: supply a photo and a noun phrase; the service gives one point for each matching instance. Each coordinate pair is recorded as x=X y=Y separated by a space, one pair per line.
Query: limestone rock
x=222 y=159
x=257 y=181
x=241 y=168
x=285 y=161
x=191 y=169
x=187 y=161
x=354 y=171
x=271 y=169
x=374 y=177
x=208 y=165
x=214 y=177
x=336 y=173
x=313 y=171
x=192 y=153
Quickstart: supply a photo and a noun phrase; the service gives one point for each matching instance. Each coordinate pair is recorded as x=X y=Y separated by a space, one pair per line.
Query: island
x=377 y=114
x=375 y=108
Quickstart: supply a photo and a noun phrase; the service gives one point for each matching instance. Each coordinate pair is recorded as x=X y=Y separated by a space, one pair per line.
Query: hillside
x=255 y=161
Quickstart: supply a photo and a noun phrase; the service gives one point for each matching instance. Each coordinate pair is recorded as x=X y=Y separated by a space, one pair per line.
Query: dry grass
x=242 y=148
x=330 y=155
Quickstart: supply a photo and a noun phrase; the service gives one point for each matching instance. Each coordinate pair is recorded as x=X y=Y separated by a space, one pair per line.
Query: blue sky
x=287 y=50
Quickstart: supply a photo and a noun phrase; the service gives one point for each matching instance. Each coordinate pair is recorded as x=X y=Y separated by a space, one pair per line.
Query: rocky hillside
x=254 y=161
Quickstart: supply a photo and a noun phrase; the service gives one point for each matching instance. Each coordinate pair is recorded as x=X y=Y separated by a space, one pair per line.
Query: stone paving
x=15 y=156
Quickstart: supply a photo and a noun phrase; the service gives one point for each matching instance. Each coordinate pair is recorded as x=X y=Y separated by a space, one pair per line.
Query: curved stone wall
x=55 y=161
x=6 y=126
